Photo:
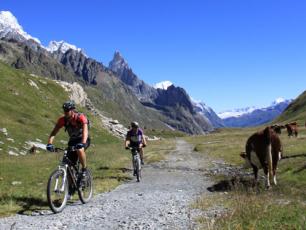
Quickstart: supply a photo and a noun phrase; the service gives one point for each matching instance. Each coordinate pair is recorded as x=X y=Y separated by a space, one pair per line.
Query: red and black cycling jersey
x=73 y=125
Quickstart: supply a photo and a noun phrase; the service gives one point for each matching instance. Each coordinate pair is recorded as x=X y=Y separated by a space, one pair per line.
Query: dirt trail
x=160 y=201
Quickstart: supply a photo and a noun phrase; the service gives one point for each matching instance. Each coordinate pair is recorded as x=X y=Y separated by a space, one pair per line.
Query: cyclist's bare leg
x=82 y=157
x=141 y=154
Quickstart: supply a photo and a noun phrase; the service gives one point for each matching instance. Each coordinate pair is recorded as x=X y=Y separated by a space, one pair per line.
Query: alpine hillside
x=115 y=90
x=296 y=111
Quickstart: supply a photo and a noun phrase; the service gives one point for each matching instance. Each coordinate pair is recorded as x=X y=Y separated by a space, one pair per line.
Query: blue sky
x=229 y=54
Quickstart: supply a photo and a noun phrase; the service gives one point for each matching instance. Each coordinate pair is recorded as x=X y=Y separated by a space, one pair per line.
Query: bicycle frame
x=136 y=163
x=136 y=158
x=66 y=180
x=67 y=166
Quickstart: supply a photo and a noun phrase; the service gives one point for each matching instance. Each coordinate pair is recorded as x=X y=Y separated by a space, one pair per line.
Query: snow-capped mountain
x=207 y=112
x=253 y=116
x=10 y=28
x=62 y=47
x=236 y=112
x=163 y=85
x=279 y=100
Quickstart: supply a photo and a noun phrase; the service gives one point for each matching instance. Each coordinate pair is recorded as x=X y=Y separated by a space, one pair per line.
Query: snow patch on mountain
x=278 y=100
x=163 y=85
x=208 y=113
x=201 y=105
x=236 y=112
x=62 y=46
x=10 y=28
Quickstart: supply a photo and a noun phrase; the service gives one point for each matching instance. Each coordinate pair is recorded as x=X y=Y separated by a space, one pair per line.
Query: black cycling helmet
x=134 y=124
x=68 y=105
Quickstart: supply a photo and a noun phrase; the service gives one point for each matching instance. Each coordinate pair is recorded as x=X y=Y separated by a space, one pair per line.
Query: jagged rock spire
x=118 y=64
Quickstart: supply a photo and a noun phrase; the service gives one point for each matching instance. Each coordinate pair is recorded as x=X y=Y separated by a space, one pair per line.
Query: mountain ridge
x=173 y=101
x=252 y=116
x=71 y=64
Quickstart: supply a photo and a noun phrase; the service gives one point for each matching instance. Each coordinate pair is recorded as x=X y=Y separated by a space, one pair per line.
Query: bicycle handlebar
x=59 y=149
x=131 y=148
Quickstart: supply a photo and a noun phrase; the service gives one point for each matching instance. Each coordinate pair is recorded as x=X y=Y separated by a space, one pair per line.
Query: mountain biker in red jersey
x=76 y=124
x=135 y=138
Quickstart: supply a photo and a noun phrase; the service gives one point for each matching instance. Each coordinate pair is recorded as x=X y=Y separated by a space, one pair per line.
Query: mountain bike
x=136 y=162
x=67 y=179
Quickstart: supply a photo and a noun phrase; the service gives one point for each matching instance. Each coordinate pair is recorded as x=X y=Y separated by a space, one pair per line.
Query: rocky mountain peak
x=207 y=112
x=62 y=46
x=174 y=96
x=11 y=29
x=118 y=64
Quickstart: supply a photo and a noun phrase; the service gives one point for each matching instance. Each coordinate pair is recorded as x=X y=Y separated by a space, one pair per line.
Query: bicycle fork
x=62 y=186
x=136 y=162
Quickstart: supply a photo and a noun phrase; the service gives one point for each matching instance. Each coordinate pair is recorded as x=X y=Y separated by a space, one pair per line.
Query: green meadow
x=30 y=105
x=29 y=108
x=253 y=207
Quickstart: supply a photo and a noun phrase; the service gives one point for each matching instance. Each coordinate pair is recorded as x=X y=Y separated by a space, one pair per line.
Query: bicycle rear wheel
x=85 y=188
x=57 y=191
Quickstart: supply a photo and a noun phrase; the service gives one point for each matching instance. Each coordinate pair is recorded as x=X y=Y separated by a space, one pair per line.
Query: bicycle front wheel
x=57 y=191
x=85 y=188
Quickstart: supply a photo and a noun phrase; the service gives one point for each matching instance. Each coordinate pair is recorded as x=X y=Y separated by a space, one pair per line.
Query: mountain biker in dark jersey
x=135 y=138
x=76 y=124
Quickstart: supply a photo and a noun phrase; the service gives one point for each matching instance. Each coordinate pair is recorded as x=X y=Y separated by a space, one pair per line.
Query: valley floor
x=162 y=200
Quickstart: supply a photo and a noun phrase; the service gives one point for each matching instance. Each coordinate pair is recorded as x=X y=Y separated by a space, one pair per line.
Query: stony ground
x=160 y=201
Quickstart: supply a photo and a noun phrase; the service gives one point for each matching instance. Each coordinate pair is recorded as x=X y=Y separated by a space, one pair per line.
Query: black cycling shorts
x=134 y=144
x=74 y=142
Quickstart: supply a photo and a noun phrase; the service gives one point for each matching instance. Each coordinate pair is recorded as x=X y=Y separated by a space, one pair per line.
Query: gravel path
x=160 y=201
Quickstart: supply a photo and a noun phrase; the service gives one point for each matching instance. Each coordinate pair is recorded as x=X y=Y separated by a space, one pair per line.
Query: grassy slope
x=122 y=105
x=280 y=208
x=110 y=95
x=29 y=113
x=284 y=206
x=296 y=111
